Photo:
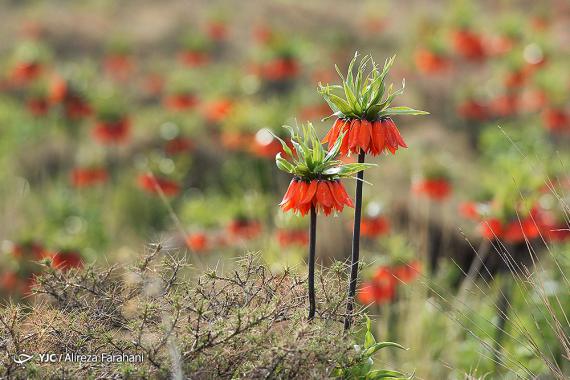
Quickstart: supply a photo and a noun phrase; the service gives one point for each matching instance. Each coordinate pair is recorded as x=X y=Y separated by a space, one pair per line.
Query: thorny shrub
x=249 y=323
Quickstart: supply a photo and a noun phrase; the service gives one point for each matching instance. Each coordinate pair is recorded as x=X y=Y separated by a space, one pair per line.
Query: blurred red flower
x=194 y=58
x=407 y=272
x=87 y=177
x=25 y=72
x=217 y=30
x=287 y=238
x=556 y=120
x=505 y=105
x=381 y=289
x=244 y=229
x=38 y=106
x=29 y=251
x=437 y=189
x=179 y=145
x=491 y=228
x=112 y=132
x=468 y=45
x=65 y=260
x=517 y=231
x=217 y=110
x=469 y=210
x=181 y=101
x=197 y=242
x=152 y=184
x=429 y=62
x=473 y=110
x=119 y=66
x=374 y=227
x=279 y=69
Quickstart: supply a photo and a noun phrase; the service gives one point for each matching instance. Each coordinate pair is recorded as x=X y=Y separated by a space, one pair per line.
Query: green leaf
x=284 y=145
x=369 y=340
x=402 y=110
x=333 y=152
x=380 y=345
x=332 y=171
x=385 y=374
x=283 y=164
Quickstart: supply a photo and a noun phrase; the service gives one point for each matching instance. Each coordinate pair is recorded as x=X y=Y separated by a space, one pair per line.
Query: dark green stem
x=312 y=245
x=355 y=245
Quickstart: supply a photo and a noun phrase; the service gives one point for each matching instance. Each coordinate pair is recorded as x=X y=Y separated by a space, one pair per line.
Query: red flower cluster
x=287 y=238
x=244 y=229
x=118 y=65
x=25 y=72
x=371 y=137
x=197 y=242
x=279 y=69
x=473 y=110
x=429 y=62
x=436 y=189
x=469 y=45
x=194 y=58
x=325 y=195
x=180 y=102
x=112 y=132
x=536 y=224
x=512 y=232
x=469 y=210
x=505 y=105
x=374 y=227
x=217 y=30
x=382 y=288
x=87 y=177
x=217 y=110
x=38 y=106
x=178 y=145
x=556 y=120
x=65 y=260
x=153 y=184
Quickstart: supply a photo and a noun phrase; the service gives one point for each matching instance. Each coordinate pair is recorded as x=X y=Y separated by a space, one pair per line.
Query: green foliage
x=362 y=367
x=365 y=94
x=310 y=160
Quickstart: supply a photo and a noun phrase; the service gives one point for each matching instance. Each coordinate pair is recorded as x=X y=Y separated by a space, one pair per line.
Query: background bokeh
x=136 y=122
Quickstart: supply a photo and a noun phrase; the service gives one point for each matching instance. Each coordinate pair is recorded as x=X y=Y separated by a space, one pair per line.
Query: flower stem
x=312 y=244
x=503 y=307
x=355 y=244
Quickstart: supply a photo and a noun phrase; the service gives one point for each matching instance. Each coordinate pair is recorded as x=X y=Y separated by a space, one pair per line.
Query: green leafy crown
x=365 y=94
x=309 y=160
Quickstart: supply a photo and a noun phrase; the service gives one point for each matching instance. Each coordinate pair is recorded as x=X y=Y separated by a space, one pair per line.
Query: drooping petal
x=338 y=199
x=364 y=134
x=309 y=192
x=391 y=142
x=324 y=197
x=289 y=192
x=378 y=137
x=396 y=134
x=354 y=132
x=342 y=193
x=345 y=140
x=333 y=133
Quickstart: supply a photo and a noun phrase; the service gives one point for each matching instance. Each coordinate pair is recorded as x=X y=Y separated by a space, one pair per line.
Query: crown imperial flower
x=364 y=114
x=316 y=172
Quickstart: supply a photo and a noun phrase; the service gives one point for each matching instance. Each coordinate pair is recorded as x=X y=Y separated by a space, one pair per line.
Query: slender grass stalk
x=355 y=244
x=312 y=245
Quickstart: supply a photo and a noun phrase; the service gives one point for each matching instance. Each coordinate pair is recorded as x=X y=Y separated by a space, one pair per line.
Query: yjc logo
x=22 y=358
